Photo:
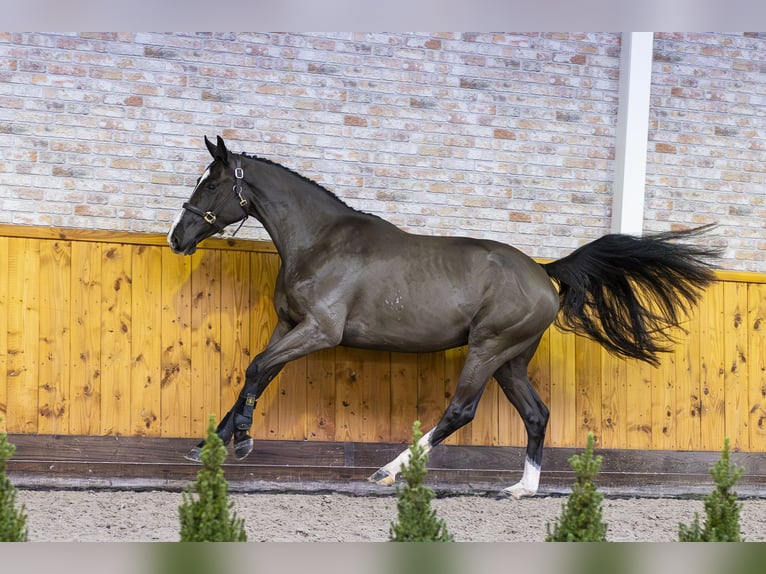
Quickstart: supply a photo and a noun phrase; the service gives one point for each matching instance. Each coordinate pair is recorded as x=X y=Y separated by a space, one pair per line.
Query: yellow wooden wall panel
x=175 y=391
x=562 y=427
x=116 y=332
x=292 y=396
x=92 y=342
x=454 y=359
x=321 y=395
x=432 y=390
x=146 y=341
x=639 y=416
x=712 y=368
x=236 y=313
x=664 y=407
x=349 y=425
x=588 y=399
x=3 y=333
x=206 y=346
x=376 y=397
x=756 y=364
x=688 y=392
x=85 y=324
x=735 y=365
x=55 y=335
x=257 y=311
x=23 y=335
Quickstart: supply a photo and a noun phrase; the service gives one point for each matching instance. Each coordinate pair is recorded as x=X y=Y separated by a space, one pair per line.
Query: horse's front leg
x=238 y=421
x=304 y=338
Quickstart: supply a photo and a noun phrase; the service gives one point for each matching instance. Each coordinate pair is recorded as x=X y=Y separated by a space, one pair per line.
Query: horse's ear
x=223 y=153
x=218 y=151
x=211 y=147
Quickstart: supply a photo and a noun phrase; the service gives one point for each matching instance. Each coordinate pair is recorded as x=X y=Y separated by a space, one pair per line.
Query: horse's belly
x=406 y=333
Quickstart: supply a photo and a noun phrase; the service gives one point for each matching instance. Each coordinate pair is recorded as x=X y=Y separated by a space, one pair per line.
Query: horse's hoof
x=243 y=448
x=194 y=455
x=382 y=477
x=516 y=492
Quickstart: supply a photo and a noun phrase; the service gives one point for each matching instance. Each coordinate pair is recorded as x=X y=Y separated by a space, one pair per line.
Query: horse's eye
x=210 y=186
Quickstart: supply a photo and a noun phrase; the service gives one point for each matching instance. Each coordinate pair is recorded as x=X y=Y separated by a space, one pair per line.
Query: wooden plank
x=663 y=404
x=736 y=400
x=146 y=341
x=588 y=399
x=116 y=331
x=300 y=466
x=206 y=342
x=639 y=415
x=237 y=346
x=712 y=368
x=293 y=400
x=85 y=321
x=688 y=392
x=562 y=429
x=55 y=335
x=128 y=238
x=23 y=334
x=756 y=318
x=175 y=391
x=321 y=395
x=257 y=312
x=404 y=395
x=432 y=390
x=349 y=425
x=614 y=406
x=3 y=333
x=454 y=359
x=376 y=397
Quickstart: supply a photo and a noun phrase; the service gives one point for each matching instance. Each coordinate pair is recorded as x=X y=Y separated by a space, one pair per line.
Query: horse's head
x=215 y=203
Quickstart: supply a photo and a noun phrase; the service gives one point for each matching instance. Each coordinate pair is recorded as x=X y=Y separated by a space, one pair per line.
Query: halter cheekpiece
x=210 y=217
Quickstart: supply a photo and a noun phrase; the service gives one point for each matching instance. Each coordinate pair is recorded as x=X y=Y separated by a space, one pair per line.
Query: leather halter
x=210 y=217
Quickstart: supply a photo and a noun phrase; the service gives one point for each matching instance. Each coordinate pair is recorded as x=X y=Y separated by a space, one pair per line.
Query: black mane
x=304 y=178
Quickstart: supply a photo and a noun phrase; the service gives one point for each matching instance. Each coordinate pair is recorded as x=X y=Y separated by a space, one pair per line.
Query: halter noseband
x=210 y=217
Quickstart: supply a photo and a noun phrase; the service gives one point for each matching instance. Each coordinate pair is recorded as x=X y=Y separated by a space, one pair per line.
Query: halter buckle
x=209 y=216
x=239 y=173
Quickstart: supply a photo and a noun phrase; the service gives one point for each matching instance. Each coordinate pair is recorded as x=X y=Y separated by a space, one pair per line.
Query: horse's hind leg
x=474 y=377
x=514 y=380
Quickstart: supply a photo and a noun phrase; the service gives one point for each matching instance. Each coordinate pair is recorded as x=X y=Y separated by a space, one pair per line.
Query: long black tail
x=626 y=292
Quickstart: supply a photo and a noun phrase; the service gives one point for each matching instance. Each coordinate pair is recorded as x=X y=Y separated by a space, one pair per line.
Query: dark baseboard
x=143 y=463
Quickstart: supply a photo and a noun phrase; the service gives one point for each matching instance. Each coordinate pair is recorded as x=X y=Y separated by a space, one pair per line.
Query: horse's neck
x=294 y=211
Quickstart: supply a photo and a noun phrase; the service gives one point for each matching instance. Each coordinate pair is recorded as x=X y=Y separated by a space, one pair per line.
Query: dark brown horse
x=352 y=278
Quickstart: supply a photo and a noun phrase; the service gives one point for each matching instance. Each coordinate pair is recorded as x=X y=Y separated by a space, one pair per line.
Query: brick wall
x=707 y=140
x=504 y=136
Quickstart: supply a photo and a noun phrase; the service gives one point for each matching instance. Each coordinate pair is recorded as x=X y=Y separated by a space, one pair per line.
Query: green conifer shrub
x=210 y=517
x=581 y=518
x=721 y=506
x=13 y=520
x=417 y=521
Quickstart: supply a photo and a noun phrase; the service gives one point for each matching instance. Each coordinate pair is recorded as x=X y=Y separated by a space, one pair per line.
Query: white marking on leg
x=395 y=466
x=529 y=482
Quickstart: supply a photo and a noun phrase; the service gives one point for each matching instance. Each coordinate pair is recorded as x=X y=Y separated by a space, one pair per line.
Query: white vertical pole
x=632 y=132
